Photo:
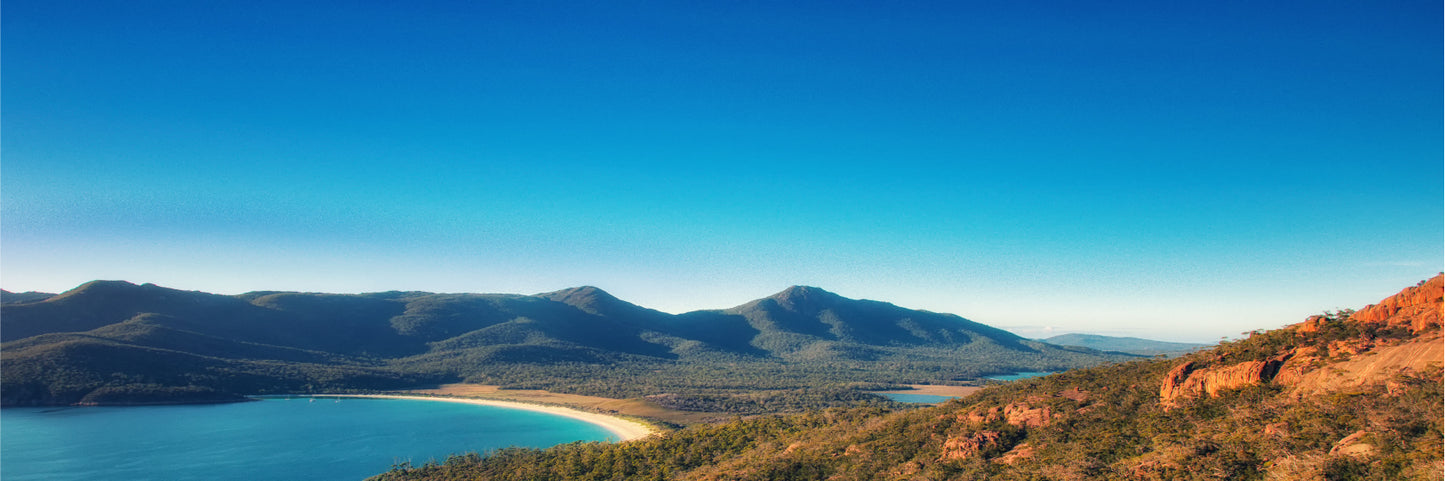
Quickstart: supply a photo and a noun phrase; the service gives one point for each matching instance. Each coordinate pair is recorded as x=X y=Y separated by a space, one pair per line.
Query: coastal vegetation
x=1140 y=419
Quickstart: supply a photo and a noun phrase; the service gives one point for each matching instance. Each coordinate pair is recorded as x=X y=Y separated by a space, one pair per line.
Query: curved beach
x=626 y=430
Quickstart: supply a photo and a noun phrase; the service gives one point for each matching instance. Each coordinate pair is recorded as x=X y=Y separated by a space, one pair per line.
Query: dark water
x=268 y=439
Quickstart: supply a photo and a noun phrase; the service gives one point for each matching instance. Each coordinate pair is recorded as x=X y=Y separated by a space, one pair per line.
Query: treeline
x=656 y=458
x=92 y=370
x=719 y=382
x=793 y=400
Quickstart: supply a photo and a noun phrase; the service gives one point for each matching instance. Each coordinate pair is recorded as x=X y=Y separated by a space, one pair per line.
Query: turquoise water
x=1016 y=376
x=268 y=439
x=915 y=398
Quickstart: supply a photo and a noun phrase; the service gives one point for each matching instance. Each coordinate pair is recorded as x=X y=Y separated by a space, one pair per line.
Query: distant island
x=114 y=342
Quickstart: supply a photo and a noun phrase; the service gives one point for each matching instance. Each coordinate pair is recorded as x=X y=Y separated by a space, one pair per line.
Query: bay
x=1016 y=376
x=327 y=439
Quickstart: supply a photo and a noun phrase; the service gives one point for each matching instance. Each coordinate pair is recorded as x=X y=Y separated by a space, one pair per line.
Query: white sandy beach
x=626 y=430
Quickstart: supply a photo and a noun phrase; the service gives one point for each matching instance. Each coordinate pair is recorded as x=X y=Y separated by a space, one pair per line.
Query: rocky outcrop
x=1354 y=445
x=1024 y=415
x=1020 y=414
x=964 y=447
x=1416 y=308
x=1379 y=365
x=979 y=417
x=1187 y=382
x=1367 y=359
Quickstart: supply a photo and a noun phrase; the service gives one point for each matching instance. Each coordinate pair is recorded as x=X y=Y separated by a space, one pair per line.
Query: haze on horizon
x=1175 y=172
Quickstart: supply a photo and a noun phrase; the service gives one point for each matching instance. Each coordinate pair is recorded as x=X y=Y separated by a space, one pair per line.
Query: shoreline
x=624 y=429
x=936 y=390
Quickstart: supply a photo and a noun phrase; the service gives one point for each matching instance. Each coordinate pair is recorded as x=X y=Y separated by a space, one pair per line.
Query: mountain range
x=1131 y=345
x=117 y=342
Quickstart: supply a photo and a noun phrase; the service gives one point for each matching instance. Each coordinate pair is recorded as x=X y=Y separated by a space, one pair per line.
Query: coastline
x=936 y=390
x=624 y=429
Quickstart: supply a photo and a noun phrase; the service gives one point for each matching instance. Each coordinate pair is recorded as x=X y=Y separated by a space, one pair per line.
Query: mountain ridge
x=409 y=338
x=1131 y=345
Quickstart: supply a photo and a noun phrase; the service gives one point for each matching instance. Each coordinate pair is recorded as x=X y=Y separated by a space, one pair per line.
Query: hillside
x=1348 y=395
x=1131 y=345
x=803 y=347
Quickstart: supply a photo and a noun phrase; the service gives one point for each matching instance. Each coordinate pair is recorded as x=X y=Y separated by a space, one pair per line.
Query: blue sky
x=1181 y=172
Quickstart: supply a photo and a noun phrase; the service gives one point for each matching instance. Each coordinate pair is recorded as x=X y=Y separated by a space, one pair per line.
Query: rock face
x=1377 y=365
x=1185 y=381
x=1416 y=308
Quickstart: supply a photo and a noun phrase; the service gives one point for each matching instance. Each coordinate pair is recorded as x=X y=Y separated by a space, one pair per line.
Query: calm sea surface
x=268 y=439
x=1016 y=376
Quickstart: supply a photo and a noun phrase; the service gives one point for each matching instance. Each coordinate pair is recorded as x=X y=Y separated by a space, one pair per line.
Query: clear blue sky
x=1181 y=171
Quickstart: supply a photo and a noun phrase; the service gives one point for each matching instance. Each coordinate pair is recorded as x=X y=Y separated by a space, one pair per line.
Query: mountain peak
x=802 y=295
x=580 y=292
x=99 y=288
x=592 y=300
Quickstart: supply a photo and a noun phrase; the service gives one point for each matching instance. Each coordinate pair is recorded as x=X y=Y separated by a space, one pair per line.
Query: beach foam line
x=625 y=429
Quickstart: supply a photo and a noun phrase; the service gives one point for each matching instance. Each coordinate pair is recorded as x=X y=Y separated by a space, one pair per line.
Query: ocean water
x=1016 y=376
x=268 y=439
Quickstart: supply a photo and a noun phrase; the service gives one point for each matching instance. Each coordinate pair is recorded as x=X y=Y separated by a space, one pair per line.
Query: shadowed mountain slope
x=7 y=297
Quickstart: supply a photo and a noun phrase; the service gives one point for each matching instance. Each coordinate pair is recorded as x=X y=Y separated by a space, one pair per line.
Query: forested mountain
x=1347 y=395
x=1131 y=345
x=113 y=341
x=7 y=297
